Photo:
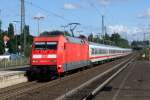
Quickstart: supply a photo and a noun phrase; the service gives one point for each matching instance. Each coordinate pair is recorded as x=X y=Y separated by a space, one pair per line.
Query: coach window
x=103 y=51
x=99 y=51
x=111 y=51
x=92 y=50
x=96 y=51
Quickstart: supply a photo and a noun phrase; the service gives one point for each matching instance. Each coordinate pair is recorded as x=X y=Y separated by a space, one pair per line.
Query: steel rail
x=100 y=87
x=71 y=92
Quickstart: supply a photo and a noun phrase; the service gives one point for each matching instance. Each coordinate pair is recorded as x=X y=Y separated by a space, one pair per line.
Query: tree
x=90 y=37
x=107 y=39
x=54 y=33
x=11 y=30
x=28 y=39
x=83 y=37
x=2 y=49
x=96 y=39
x=11 y=46
x=116 y=38
x=0 y=26
x=26 y=30
x=12 y=43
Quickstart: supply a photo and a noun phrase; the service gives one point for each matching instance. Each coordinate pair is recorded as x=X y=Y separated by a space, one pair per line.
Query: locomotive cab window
x=45 y=45
x=51 y=45
x=39 y=45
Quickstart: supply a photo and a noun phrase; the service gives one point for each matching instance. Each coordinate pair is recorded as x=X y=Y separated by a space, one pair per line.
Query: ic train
x=55 y=55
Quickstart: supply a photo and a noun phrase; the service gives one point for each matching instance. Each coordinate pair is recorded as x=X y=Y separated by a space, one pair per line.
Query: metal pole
x=38 y=22
x=23 y=25
x=38 y=18
x=22 y=15
x=0 y=21
x=103 y=28
x=16 y=37
x=15 y=22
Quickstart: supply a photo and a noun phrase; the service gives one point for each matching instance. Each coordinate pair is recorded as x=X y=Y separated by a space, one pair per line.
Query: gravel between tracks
x=53 y=89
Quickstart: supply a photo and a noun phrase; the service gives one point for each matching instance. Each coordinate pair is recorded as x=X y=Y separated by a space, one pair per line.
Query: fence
x=7 y=64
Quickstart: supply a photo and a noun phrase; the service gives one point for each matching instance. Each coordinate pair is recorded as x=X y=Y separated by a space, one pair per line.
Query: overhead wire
x=47 y=11
x=93 y=6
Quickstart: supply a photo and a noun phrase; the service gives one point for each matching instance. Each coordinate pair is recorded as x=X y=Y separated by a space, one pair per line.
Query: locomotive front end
x=45 y=58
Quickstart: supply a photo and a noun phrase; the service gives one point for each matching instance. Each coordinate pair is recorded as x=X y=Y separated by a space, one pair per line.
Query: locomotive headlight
x=59 y=66
x=34 y=61
x=53 y=61
x=37 y=56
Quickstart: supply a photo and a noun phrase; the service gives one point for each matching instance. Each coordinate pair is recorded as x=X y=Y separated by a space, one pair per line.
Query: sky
x=130 y=18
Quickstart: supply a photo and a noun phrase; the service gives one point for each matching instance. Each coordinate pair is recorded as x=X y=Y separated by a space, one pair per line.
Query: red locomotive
x=55 y=55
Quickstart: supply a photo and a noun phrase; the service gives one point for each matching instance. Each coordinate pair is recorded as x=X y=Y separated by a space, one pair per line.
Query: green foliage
x=28 y=50
x=90 y=38
x=26 y=30
x=146 y=52
x=96 y=39
x=11 y=30
x=11 y=46
x=28 y=39
x=114 y=39
x=16 y=40
x=106 y=39
x=0 y=26
x=83 y=37
x=54 y=33
x=2 y=50
x=26 y=33
x=140 y=44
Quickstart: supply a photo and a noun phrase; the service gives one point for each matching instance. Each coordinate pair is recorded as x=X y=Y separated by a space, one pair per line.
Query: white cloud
x=118 y=29
x=132 y=33
x=107 y=2
x=104 y=2
x=145 y=14
x=129 y=30
x=71 y=6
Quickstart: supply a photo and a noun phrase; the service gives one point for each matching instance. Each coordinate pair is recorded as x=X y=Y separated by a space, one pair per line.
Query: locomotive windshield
x=45 y=45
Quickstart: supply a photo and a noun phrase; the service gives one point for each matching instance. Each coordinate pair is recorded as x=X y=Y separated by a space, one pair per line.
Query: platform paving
x=9 y=78
x=132 y=84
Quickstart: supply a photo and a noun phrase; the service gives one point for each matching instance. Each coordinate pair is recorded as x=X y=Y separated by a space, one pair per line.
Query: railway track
x=90 y=88
x=101 y=86
x=23 y=90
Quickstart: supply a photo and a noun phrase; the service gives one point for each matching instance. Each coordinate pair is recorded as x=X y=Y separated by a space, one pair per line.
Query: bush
x=146 y=52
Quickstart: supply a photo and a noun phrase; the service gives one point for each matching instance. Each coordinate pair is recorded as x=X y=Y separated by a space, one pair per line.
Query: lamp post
x=15 y=22
x=38 y=18
x=0 y=21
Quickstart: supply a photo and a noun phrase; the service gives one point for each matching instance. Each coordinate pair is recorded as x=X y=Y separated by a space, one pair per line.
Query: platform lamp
x=38 y=18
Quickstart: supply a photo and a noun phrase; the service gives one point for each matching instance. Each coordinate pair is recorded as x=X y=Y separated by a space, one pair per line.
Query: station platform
x=17 y=68
x=9 y=78
x=132 y=84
